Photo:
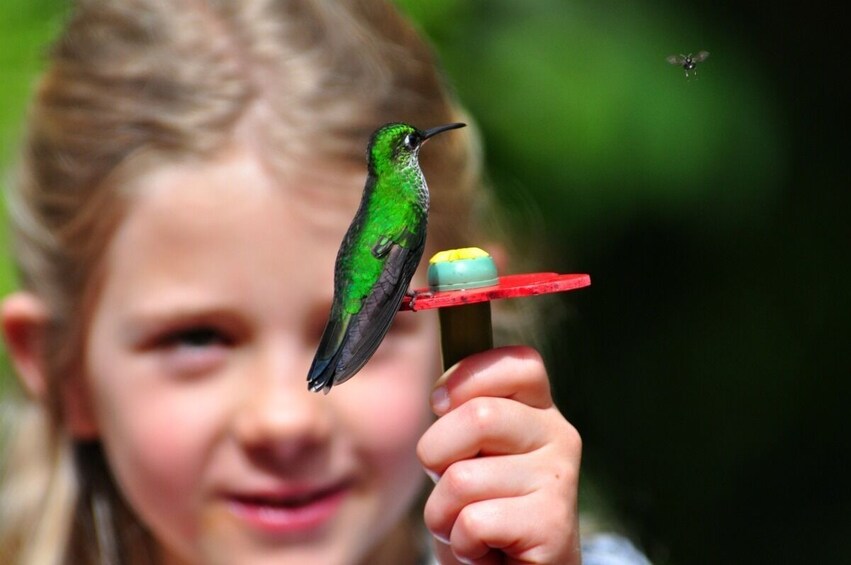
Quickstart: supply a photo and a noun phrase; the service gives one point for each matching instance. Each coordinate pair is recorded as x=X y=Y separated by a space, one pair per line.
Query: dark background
x=705 y=367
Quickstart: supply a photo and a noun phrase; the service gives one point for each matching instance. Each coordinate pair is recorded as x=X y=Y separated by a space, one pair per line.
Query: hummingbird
x=378 y=255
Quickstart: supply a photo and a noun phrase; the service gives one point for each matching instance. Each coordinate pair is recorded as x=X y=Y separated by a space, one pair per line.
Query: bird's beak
x=440 y=129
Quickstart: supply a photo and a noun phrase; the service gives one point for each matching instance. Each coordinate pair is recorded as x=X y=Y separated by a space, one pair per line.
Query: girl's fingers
x=483 y=426
x=516 y=372
x=474 y=480
x=522 y=528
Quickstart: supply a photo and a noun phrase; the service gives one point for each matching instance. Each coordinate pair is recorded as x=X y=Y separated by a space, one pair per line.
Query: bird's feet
x=413 y=295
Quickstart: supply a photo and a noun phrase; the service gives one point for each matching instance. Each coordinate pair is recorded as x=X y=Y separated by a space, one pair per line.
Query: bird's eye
x=410 y=141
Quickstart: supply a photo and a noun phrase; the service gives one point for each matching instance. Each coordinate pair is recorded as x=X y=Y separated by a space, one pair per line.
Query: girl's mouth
x=293 y=512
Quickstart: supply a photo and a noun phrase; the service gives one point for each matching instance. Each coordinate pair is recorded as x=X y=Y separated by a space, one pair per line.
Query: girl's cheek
x=389 y=401
x=159 y=438
x=160 y=429
x=158 y=408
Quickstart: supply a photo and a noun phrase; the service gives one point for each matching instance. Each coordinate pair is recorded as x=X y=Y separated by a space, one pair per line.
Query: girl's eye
x=197 y=337
x=194 y=350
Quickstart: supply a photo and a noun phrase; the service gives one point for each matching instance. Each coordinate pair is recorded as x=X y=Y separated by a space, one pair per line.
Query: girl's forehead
x=229 y=232
x=324 y=195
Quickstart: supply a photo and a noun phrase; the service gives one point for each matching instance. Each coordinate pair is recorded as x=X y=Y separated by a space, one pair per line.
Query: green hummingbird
x=378 y=256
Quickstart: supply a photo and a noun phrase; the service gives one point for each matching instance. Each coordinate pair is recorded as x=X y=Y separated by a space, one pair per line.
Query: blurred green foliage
x=26 y=27
x=704 y=367
x=580 y=109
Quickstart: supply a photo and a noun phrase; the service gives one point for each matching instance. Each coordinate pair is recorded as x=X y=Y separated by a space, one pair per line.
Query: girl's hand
x=508 y=463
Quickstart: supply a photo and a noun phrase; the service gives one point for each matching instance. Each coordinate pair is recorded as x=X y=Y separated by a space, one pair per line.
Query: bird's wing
x=321 y=374
x=350 y=341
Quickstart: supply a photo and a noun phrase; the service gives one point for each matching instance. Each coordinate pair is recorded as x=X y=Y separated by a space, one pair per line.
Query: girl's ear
x=24 y=319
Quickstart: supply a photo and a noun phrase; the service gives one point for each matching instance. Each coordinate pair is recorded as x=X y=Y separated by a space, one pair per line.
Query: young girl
x=189 y=171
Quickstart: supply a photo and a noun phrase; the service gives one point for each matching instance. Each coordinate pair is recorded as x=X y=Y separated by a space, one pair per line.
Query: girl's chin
x=247 y=547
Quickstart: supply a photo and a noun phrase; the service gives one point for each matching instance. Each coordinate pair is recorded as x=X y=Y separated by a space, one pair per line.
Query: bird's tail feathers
x=321 y=373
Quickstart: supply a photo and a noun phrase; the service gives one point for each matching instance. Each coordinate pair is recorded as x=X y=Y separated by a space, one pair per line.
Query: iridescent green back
x=394 y=205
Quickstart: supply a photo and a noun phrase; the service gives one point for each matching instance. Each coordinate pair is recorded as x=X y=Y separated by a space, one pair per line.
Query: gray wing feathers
x=346 y=347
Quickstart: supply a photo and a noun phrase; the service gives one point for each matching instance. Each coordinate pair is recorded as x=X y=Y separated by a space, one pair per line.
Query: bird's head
x=397 y=145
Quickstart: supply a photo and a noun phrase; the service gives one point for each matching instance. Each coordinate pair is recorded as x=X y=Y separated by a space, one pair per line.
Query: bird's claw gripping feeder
x=462 y=282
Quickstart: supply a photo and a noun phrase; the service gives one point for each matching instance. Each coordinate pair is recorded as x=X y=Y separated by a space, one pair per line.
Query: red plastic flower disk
x=509 y=286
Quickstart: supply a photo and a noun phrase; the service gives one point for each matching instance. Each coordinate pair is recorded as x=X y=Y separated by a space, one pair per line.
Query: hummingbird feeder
x=462 y=282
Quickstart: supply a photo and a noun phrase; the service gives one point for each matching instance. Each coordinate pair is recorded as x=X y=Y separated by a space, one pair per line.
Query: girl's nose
x=278 y=415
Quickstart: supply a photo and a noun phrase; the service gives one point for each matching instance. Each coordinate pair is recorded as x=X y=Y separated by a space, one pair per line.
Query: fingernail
x=440 y=400
x=432 y=475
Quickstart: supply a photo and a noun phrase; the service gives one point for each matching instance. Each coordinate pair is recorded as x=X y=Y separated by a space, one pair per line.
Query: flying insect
x=688 y=62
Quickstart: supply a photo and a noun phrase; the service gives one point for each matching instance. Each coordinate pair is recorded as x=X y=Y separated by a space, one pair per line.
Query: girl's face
x=217 y=288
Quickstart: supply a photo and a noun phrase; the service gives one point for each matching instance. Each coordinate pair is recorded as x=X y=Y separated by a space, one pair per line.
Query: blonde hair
x=132 y=84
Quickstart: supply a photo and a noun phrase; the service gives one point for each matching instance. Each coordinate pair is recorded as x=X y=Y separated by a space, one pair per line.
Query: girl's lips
x=294 y=512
